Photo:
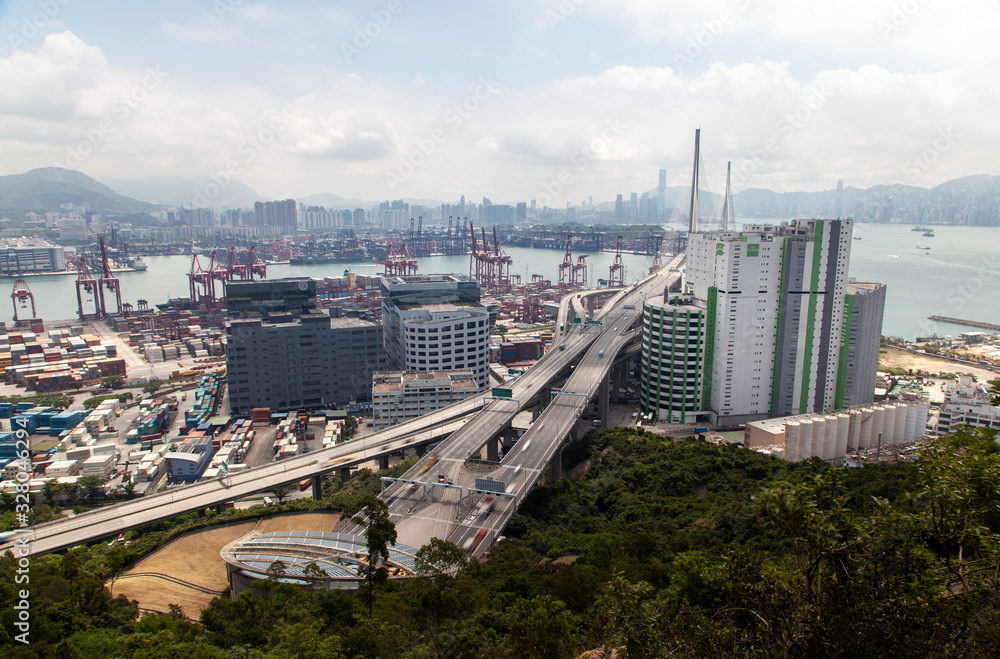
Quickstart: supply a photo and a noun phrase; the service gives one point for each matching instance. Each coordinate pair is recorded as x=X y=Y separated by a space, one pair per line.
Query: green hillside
x=49 y=187
x=655 y=548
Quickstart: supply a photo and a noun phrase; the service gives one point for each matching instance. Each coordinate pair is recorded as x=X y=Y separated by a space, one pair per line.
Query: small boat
x=139 y=265
x=857 y=237
x=928 y=234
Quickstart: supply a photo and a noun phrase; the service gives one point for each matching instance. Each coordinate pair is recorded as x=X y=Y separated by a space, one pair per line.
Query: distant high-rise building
x=590 y=200
x=633 y=207
x=522 y=210
x=661 y=196
x=644 y=206
x=838 y=210
x=277 y=214
x=769 y=305
x=619 y=210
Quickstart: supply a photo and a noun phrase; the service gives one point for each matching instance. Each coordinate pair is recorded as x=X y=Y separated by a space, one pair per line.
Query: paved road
x=474 y=524
x=111 y=520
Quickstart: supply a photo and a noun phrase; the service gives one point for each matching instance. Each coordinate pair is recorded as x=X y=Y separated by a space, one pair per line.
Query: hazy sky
x=509 y=99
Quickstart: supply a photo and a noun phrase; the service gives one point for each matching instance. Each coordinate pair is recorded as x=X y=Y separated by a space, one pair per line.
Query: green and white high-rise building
x=768 y=303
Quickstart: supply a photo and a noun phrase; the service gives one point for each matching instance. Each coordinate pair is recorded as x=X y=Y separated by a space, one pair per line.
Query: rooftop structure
x=399 y=396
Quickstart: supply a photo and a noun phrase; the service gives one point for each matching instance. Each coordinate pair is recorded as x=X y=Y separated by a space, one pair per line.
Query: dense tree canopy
x=653 y=548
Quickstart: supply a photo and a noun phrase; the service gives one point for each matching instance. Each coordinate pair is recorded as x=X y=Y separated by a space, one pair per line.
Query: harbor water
x=959 y=276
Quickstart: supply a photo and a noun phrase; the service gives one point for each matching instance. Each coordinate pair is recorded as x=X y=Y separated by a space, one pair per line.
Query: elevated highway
x=439 y=496
x=481 y=414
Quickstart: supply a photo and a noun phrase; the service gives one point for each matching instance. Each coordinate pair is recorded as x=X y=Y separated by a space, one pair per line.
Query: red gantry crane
x=617 y=274
x=566 y=267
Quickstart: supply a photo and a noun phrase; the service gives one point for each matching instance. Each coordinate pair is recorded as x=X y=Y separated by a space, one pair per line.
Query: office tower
x=661 y=197
x=286 y=354
x=590 y=200
x=436 y=322
x=838 y=209
x=644 y=206
x=633 y=207
x=767 y=306
x=522 y=210
x=865 y=307
x=619 y=211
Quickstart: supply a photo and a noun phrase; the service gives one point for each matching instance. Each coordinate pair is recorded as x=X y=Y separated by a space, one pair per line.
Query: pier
x=968 y=323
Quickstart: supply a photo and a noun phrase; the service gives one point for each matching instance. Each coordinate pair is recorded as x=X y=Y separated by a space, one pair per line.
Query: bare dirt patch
x=892 y=358
x=195 y=558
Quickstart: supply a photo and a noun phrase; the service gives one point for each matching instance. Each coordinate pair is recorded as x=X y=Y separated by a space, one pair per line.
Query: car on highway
x=600 y=354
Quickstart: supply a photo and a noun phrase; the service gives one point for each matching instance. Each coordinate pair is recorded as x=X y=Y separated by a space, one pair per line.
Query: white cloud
x=611 y=130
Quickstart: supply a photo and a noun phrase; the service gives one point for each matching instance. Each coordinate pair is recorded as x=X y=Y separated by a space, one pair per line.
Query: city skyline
x=513 y=102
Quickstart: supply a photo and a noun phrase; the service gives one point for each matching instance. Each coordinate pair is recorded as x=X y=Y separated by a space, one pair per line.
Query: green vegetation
x=681 y=550
x=91 y=403
x=59 y=401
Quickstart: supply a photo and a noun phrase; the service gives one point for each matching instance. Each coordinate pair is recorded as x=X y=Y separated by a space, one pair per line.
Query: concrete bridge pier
x=317 y=485
x=556 y=465
x=508 y=437
x=493 y=449
x=383 y=462
x=220 y=508
x=345 y=474
x=603 y=406
x=422 y=450
x=545 y=396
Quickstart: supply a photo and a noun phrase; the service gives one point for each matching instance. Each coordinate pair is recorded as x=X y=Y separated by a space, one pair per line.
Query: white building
x=967 y=403
x=436 y=322
x=765 y=326
x=399 y=396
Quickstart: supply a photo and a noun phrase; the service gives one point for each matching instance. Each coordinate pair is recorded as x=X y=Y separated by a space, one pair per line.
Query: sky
x=555 y=100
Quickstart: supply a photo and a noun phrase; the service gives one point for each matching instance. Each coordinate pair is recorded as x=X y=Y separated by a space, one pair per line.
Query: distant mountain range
x=968 y=200
x=50 y=187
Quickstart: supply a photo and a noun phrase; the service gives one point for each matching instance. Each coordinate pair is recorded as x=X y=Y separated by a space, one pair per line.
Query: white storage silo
x=843 y=432
x=793 y=432
x=878 y=425
x=830 y=437
x=854 y=430
x=867 y=415
x=889 y=429
x=923 y=412
x=911 y=422
x=805 y=438
x=899 y=434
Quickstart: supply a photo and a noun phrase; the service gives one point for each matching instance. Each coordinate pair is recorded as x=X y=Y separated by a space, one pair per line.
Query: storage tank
x=923 y=412
x=843 y=432
x=911 y=422
x=805 y=439
x=889 y=427
x=793 y=434
x=899 y=436
x=829 y=437
x=878 y=426
x=867 y=415
x=854 y=430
